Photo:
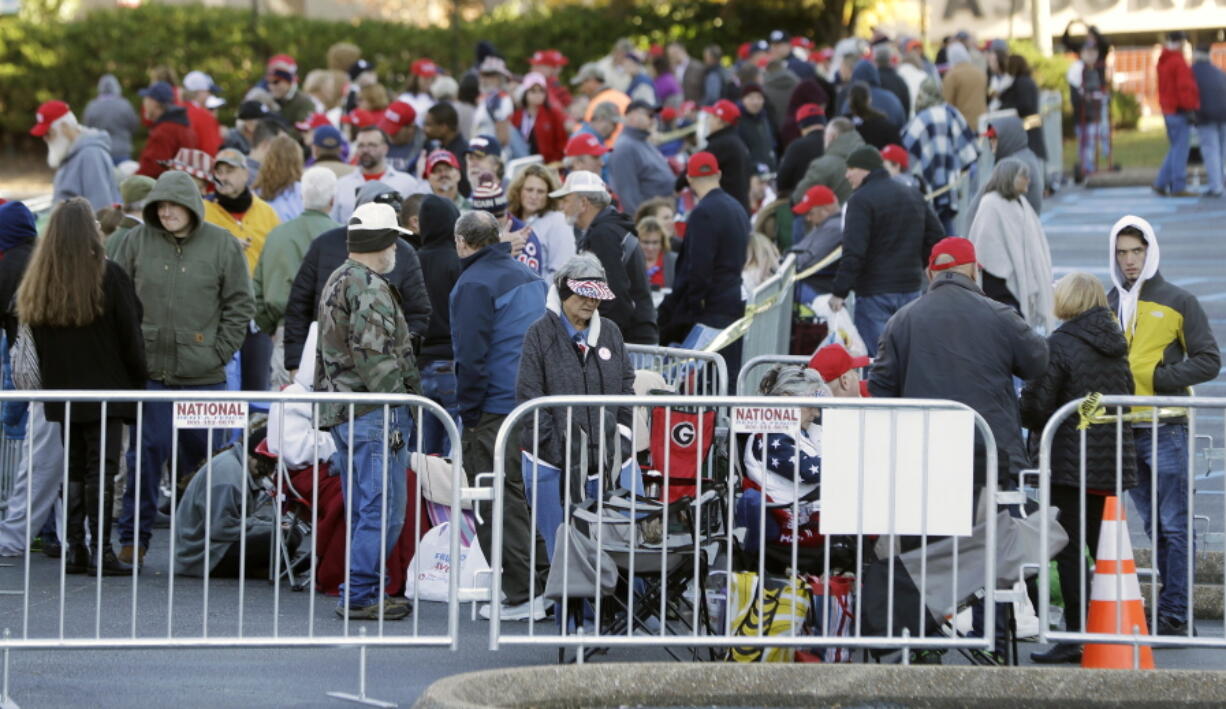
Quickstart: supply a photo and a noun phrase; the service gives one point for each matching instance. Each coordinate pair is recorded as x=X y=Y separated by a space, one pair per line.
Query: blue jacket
x=883 y=100
x=494 y=302
x=707 y=284
x=1211 y=81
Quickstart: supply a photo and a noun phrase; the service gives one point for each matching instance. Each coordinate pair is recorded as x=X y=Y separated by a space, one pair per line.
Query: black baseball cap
x=640 y=104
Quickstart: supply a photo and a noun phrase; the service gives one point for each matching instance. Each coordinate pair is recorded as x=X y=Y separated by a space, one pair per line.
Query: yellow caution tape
x=1090 y=412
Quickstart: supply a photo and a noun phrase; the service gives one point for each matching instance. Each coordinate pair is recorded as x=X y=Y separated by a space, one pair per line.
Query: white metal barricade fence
x=687 y=371
x=643 y=560
x=1160 y=433
x=180 y=604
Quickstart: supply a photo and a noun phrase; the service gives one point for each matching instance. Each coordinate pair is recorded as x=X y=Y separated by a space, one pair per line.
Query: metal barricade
x=1050 y=111
x=749 y=376
x=238 y=513
x=687 y=371
x=10 y=458
x=1160 y=435
x=770 y=331
x=656 y=553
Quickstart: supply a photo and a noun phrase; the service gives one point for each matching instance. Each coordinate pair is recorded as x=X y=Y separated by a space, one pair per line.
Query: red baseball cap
x=360 y=118
x=896 y=154
x=313 y=121
x=833 y=361
x=584 y=144
x=424 y=67
x=810 y=113
x=962 y=251
x=548 y=57
x=668 y=114
x=821 y=55
x=742 y=52
x=815 y=196
x=397 y=116
x=48 y=113
x=802 y=42
x=702 y=164
x=724 y=110
x=283 y=60
x=441 y=156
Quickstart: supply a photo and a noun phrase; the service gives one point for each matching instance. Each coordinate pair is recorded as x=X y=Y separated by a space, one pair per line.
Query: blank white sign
x=849 y=507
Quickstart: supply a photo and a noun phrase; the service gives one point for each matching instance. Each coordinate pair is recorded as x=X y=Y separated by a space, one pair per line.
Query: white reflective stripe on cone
x=1105 y=586
x=1107 y=539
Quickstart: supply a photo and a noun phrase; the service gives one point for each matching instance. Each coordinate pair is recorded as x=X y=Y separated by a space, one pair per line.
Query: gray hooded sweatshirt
x=87 y=171
x=112 y=113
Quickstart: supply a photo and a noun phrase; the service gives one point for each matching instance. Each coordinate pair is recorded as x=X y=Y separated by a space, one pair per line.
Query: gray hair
x=606 y=111
x=478 y=229
x=581 y=267
x=1003 y=177
x=318 y=188
x=600 y=200
x=840 y=126
x=793 y=380
x=883 y=55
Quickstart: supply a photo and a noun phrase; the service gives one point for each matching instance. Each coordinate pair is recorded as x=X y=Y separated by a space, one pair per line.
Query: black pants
x=518 y=536
x=88 y=483
x=1071 y=561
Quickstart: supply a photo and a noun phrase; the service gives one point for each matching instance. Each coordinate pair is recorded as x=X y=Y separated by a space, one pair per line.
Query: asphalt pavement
x=1191 y=233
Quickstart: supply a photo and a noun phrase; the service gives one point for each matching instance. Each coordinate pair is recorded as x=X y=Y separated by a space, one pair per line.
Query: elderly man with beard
x=364 y=346
x=81 y=157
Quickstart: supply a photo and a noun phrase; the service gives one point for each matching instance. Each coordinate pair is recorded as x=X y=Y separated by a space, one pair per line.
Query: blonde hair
x=762 y=257
x=545 y=174
x=374 y=96
x=342 y=55
x=1076 y=293
x=323 y=85
x=280 y=169
x=654 y=226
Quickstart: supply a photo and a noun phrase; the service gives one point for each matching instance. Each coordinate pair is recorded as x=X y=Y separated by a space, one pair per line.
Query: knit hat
x=135 y=189
x=372 y=228
x=865 y=157
x=488 y=196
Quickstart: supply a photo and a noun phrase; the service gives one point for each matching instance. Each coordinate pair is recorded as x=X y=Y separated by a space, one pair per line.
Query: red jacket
x=548 y=132
x=1176 y=86
x=558 y=93
x=205 y=126
x=171 y=132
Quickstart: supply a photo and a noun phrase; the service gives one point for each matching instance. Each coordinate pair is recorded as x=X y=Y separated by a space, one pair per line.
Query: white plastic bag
x=430 y=570
x=841 y=327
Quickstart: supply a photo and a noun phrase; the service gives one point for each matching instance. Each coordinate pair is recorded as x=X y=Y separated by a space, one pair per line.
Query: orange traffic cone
x=1115 y=602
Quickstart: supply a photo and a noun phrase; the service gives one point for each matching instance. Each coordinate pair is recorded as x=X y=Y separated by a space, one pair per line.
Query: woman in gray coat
x=571 y=350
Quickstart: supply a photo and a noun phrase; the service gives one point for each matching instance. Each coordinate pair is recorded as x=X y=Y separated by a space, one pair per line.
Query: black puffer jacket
x=612 y=239
x=1087 y=354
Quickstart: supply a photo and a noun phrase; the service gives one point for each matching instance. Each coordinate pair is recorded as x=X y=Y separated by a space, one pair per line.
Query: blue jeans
x=157 y=429
x=439 y=385
x=367 y=524
x=1173 y=175
x=1172 y=542
x=1213 y=152
x=874 y=311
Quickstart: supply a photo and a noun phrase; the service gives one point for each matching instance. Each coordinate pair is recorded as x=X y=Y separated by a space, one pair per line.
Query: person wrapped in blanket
x=784 y=468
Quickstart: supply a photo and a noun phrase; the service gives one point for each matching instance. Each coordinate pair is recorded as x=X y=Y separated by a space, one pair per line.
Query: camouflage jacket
x=363 y=343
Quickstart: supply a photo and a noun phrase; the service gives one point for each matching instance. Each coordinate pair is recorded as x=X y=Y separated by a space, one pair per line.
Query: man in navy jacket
x=492 y=305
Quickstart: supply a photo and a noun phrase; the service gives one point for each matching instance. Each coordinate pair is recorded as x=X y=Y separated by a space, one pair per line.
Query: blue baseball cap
x=327 y=137
x=159 y=91
x=485 y=145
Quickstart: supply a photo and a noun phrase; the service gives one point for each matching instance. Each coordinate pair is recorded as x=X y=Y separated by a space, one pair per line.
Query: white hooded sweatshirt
x=1129 y=296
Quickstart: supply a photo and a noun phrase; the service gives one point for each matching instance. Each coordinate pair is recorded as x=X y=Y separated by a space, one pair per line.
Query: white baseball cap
x=581 y=182
x=198 y=81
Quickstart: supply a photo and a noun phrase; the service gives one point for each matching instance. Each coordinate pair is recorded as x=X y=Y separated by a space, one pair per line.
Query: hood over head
x=1098 y=328
x=178 y=187
x=89 y=137
x=929 y=94
x=1010 y=136
x=437 y=219
x=807 y=91
x=1130 y=296
x=108 y=85
x=611 y=215
x=17 y=225
x=957 y=54
x=843 y=145
x=867 y=72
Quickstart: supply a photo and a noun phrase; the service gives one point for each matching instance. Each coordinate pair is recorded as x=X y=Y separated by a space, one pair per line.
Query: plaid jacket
x=942 y=145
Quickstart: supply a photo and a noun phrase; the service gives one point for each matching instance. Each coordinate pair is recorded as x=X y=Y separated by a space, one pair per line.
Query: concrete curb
x=782 y=685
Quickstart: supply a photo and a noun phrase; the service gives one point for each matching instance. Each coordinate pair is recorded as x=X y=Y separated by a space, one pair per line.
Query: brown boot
x=128 y=552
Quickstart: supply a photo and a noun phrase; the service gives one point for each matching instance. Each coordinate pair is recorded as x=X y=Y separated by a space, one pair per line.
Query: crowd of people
x=493 y=237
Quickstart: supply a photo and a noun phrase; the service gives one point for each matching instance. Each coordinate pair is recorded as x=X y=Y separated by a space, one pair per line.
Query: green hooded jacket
x=195 y=289
x=283 y=252
x=831 y=168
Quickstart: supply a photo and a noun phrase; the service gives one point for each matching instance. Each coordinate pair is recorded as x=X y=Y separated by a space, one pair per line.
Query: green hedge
x=44 y=60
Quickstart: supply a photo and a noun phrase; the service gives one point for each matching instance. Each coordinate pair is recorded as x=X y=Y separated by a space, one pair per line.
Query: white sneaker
x=536 y=609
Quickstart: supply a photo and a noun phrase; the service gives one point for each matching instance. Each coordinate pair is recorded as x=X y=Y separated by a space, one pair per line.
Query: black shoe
x=1171 y=627
x=1058 y=654
x=111 y=565
x=76 y=559
x=52 y=548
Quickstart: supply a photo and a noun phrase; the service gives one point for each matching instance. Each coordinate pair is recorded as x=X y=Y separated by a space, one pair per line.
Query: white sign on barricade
x=766 y=419
x=858 y=442
x=210 y=414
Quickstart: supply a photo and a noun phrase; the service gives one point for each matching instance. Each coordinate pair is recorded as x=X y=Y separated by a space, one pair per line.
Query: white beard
x=57 y=150
x=570 y=220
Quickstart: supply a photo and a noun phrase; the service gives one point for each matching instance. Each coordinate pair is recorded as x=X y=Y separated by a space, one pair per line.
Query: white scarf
x=1129 y=296
x=1010 y=244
